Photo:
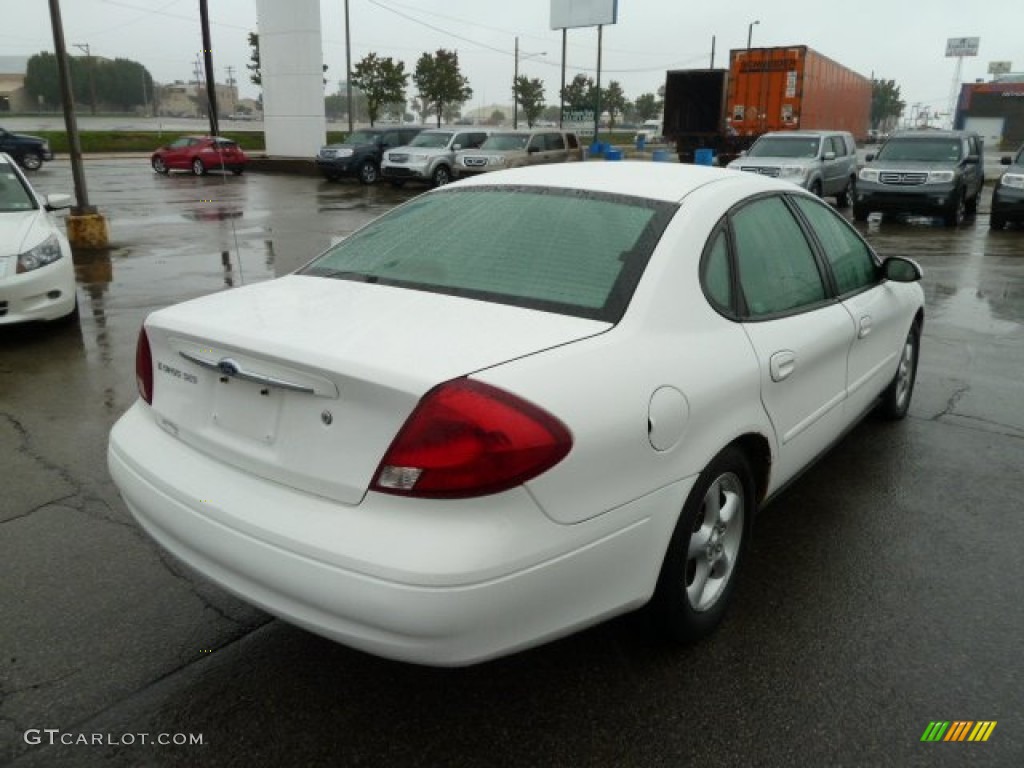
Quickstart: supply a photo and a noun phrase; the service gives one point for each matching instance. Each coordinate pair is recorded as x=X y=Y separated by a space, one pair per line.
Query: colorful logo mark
x=958 y=730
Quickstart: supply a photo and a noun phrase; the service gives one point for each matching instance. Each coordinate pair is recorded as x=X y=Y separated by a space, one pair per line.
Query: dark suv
x=361 y=153
x=29 y=151
x=928 y=173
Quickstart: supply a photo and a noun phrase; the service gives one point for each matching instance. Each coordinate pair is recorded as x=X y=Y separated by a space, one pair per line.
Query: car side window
x=717 y=274
x=838 y=146
x=777 y=270
x=572 y=140
x=536 y=142
x=474 y=140
x=852 y=262
x=554 y=141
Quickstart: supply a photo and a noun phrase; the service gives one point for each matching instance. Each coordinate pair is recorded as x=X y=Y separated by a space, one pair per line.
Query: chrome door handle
x=864 y=327
x=782 y=364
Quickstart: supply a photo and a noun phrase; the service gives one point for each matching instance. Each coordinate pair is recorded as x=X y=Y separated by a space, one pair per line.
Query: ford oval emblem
x=228 y=367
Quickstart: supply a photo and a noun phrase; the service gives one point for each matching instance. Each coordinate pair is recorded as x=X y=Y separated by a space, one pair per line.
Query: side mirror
x=972 y=159
x=901 y=270
x=57 y=201
x=532 y=150
x=869 y=157
x=456 y=146
x=1006 y=160
x=830 y=155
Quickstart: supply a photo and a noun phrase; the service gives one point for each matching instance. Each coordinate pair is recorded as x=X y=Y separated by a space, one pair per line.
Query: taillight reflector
x=466 y=438
x=144 y=367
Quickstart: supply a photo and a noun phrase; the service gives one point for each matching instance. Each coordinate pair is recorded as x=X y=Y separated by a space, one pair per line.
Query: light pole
x=750 y=35
x=515 y=83
x=750 y=32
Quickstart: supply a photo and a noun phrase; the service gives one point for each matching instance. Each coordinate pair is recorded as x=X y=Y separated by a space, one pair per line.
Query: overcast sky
x=902 y=40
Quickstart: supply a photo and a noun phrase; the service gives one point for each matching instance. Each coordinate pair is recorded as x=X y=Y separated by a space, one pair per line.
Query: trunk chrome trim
x=226 y=366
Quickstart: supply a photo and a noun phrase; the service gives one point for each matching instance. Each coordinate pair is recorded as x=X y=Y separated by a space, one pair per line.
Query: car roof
x=931 y=134
x=667 y=182
x=805 y=133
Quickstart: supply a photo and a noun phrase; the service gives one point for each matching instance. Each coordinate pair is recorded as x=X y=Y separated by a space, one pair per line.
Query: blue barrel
x=597 y=149
x=613 y=153
x=704 y=157
x=661 y=156
x=641 y=142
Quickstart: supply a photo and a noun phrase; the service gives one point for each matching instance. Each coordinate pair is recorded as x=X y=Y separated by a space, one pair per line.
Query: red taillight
x=144 y=367
x=466 y=438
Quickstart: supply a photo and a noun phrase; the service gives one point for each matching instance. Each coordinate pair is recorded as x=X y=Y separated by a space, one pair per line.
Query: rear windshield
x=561 y=251
x=922 y=150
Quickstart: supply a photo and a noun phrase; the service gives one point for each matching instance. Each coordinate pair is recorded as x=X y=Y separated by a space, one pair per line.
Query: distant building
x=13 y=97
x=181 y=99
x=995 y=110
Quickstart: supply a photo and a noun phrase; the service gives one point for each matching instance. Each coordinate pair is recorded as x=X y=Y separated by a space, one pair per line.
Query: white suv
x=429 y=157
x=824 y=162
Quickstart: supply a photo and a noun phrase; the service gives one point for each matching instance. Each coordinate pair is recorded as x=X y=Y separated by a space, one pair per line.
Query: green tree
x=382 y=81
x=551 y=114
x=254 y=60
x=613 y=100
x=439 y=81
x=41 y=79
x=421 y=107
x=530 y=95
x=886 y=105
x=579 y=94
x=647 y=106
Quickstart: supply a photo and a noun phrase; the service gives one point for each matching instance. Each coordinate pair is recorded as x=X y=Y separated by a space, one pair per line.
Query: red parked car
x=200 y=154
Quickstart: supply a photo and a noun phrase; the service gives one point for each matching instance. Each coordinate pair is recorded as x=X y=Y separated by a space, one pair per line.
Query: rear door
x=800 y=334
x=879 y=317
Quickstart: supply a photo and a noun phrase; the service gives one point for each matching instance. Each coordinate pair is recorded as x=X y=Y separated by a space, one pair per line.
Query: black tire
x=683 y=607
x=896 y=398
x=996 y=221
x=442 y=175
x=860 y=213
x=368 y=172
x=972 y=204
x=31 y=161
x=954 y=216
x=160 y=166
x=816 y=189
x=198 y=168
x=845 y=198
x=331 y=176
x=237 y=171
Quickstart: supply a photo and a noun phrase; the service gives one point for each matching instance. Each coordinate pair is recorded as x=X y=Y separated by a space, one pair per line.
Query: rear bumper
x=440 y=583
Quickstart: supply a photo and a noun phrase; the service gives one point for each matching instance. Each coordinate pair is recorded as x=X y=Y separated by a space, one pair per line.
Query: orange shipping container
x=791 y=88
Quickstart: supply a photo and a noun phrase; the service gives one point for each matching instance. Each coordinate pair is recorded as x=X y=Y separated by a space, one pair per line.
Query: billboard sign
x=999 y=67
x=567 y=14
x=962 y=46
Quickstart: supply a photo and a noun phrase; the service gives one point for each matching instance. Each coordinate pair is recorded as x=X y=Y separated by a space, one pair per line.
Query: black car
x=1008 y=196
x=29 y=151
x=926 y=173
x=361 y=153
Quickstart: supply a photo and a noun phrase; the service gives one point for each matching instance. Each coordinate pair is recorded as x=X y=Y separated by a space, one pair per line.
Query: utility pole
x=211 y=82
x=92 y=73
x=87 y=228
x=348 y=69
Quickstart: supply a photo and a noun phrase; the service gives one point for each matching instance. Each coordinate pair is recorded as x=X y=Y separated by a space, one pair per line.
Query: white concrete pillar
x=291 y=65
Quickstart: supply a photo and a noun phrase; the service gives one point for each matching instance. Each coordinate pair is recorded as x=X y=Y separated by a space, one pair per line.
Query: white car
x=37 y=275
x=516 y=405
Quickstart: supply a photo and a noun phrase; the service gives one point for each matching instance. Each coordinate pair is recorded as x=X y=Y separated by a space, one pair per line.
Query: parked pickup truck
x=29 y=151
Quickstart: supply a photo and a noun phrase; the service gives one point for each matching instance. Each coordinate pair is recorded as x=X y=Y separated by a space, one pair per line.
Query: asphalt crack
x=952 y=403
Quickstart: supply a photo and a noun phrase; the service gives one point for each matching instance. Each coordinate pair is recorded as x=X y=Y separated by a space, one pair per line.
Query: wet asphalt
x=883 y=591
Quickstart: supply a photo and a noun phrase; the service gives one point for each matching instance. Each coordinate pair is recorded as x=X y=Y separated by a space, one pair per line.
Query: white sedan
x=37 y=275
x=515 y=406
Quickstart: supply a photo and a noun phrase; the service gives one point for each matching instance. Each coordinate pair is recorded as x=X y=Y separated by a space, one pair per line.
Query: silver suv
x=514 y=149
x=429 y=157
x=825 y=162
